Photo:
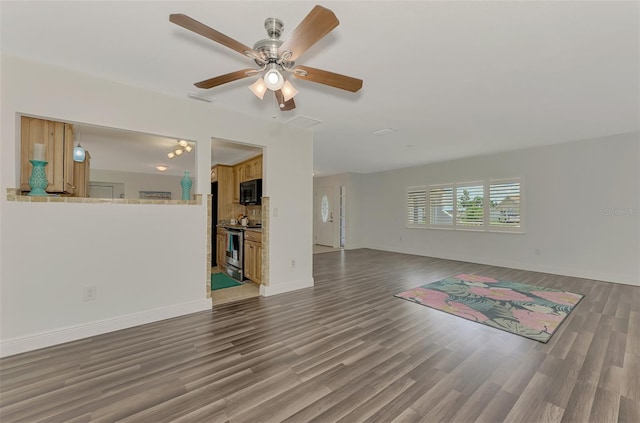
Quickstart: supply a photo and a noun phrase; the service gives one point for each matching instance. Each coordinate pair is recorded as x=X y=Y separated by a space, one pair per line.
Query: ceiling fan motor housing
x=268 y=47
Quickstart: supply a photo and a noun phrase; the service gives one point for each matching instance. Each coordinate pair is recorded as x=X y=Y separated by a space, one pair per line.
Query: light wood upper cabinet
x=253 y=169
x=249 y=169
x=58 y=140
x=81 y=176
x=236 y=184
x=227 y=209
x=246 y=171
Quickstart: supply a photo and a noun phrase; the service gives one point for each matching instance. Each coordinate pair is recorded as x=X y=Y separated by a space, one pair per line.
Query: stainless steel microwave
x=251 y=192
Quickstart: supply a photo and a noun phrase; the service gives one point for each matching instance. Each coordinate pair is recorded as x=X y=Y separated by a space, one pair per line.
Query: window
x=504 y=204
x=470 y=205
x=417 y=206
x=441 y=205
x=493 y=205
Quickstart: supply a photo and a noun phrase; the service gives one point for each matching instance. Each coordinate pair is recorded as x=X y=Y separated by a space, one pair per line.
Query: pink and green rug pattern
x=531 y=311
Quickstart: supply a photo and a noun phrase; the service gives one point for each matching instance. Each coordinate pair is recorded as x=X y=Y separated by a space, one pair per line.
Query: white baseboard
x=276 y=288
x=354 y=246
x=71 y=333
x=555 y=270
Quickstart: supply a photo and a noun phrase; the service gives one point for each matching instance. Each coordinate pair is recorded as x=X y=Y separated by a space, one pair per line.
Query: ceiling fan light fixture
x=188 y=149
x=178 y=151
x=183 y=143
x=288 y=91
x=171 y=155
x=258 y=88
x=273 y=79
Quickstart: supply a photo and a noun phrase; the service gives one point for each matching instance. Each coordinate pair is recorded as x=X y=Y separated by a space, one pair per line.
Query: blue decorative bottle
x=186 y=184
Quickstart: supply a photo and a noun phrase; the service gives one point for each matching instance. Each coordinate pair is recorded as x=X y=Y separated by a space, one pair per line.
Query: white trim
x=267 y=291
x=73 y=333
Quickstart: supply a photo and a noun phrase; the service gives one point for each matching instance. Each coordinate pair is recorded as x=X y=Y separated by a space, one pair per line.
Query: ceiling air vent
x=384 y=131
x=303 y=122
x=199 y=97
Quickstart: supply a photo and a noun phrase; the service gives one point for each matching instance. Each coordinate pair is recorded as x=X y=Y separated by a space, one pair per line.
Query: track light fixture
x=183 y=147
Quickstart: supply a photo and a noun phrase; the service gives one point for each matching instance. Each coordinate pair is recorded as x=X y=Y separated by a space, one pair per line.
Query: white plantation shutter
x=505 y=200
x=485 y=206
x=470 y=205
x=416 y=206
x=441 y=205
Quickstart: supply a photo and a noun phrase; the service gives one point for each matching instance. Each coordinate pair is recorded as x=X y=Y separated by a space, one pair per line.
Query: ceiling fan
x=275 y=57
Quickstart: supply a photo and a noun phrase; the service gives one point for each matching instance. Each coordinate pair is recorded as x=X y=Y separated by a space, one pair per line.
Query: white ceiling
x=454 y=79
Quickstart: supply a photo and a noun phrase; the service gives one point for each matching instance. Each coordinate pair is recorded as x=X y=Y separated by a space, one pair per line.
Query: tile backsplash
x=255 y=214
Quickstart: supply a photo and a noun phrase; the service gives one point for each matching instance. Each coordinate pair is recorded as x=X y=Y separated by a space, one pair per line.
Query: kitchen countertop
x=240 y=227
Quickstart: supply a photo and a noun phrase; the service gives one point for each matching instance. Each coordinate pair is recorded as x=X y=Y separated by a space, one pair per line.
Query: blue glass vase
x=186 y=184
x=38 y=179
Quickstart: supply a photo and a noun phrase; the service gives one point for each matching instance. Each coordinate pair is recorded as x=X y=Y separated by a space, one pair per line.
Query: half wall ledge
x=13 y=194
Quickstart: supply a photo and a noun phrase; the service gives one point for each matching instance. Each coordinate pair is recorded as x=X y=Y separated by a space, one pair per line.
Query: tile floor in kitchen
x=235 y=293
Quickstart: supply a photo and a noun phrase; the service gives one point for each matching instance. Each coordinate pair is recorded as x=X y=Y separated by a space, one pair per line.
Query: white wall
x=49 y=251
x=568 y=190
x=135 y=182
x=353 y=183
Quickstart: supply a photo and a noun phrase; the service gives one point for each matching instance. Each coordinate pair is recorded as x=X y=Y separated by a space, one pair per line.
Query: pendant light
x=78 y=152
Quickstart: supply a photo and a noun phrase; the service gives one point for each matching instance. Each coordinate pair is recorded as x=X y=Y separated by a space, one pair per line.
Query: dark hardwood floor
x=344 y=351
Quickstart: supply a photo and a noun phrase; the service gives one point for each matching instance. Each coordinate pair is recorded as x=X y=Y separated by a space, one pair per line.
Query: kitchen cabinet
x=81 y=176
x=248 y=170
x=253 y=256
x=221 y=248
x=238 y=174
x=254 y=168
x=58 y=140
x=227 y=209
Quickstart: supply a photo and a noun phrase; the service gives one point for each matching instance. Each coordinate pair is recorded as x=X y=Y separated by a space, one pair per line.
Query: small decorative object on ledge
x=38 y=179
x=186 y=183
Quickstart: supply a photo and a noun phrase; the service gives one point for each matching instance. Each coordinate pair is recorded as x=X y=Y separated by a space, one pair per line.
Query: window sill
x=479 y=230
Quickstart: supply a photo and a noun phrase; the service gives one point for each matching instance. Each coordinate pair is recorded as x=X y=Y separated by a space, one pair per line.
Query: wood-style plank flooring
x=344 y=351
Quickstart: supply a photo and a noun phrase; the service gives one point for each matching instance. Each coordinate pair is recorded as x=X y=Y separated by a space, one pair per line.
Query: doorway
x=330 y=217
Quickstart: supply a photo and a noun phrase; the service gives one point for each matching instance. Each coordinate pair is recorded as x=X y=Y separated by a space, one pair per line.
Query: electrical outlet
x=89 y=293
x=293 y=263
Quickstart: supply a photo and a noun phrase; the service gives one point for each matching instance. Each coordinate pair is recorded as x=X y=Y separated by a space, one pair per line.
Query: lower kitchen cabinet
x=253 y=256
x=221 y=248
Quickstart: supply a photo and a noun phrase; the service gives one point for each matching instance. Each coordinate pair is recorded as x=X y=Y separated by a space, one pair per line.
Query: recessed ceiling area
x=454 y=79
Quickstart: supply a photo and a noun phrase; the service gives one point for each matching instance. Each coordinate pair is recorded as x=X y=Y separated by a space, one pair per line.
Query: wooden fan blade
x=318 y=23
x=202 y=29
x=328 y=78
x=288 y=105
x=223 y=79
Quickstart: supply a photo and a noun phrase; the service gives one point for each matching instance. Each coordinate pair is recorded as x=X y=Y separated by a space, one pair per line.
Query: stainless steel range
x=234 y=253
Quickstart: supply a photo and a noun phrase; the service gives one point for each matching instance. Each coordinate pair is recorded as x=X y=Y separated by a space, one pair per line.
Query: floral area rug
x=531 y=311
